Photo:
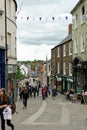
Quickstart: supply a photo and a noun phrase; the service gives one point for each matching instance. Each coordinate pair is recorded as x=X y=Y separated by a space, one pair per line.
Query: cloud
x=37 y=36
x=32 y=52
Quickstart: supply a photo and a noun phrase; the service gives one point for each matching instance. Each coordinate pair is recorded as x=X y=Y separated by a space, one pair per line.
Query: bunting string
x=28 y=18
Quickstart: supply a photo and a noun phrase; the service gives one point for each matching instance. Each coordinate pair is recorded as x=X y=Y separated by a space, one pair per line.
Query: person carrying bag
x=7 y=113
x=5 y=109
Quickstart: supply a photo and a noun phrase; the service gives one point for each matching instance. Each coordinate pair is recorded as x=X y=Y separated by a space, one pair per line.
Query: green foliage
x=19 y=74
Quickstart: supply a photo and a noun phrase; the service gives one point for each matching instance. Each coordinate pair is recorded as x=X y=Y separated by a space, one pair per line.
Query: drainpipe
x=6 y=61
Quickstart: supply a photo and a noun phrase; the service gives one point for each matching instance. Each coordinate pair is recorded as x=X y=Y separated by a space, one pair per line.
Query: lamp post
x=6 y=56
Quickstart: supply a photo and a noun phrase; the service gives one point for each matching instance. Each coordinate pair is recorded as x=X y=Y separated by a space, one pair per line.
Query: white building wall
x=11 y=30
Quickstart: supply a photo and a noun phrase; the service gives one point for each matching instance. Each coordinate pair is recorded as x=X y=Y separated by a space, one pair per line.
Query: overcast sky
x=41 y=25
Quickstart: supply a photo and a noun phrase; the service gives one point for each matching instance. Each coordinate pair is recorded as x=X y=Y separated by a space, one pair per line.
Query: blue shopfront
x=2 y=67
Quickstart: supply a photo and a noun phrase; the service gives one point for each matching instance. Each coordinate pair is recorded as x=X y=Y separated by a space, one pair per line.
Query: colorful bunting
x=66 y=17
x=41 y=18
x=27 y=18
x=53 y=18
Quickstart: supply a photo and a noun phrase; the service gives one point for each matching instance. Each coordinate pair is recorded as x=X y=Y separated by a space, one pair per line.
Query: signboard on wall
x=12 y=69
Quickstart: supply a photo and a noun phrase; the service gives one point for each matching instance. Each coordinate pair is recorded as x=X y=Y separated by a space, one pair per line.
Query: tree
x=19 y=74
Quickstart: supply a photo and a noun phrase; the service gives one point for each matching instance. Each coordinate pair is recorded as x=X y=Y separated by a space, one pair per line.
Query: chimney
x=70 y=29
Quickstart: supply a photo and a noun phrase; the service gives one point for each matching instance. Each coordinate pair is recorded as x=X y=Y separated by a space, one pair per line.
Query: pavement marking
x=43 y=123
x=31 y=119
x=65 y=116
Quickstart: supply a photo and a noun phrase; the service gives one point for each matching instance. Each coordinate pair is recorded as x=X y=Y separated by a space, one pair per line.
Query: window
x=64 y=68
x=58 y=67
x=64 y=50
x=9 y=44
x=49 y=68
x=58 y=52
x=76 y=45
x=82 y=14
x=70 y=48
x=76 y=21
x=9 y=8
x=70 y=69
x=15 y=47
x=82 y=43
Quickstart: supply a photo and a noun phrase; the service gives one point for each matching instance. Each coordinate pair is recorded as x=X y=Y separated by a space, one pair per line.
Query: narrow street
x=50 y=114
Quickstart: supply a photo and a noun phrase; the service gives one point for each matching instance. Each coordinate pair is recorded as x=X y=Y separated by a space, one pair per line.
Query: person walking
x=44 y=91
x=25 y=97
x=54 y=92
x=4 y=103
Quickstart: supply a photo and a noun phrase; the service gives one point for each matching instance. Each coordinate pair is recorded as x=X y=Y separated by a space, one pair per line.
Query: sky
x=41 y=25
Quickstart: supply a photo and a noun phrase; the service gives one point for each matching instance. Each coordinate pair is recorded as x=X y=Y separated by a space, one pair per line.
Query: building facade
x=79 y=15
x=8 y=43
x=62 y=63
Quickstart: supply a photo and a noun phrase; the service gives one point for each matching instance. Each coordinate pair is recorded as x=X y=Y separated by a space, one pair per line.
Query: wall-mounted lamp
x=1 y=12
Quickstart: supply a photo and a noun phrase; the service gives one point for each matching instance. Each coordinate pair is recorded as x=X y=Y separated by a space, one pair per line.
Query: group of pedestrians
x=5 y=104
x=33 y=88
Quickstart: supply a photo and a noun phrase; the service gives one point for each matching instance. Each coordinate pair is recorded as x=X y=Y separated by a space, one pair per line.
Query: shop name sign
x=70 y=80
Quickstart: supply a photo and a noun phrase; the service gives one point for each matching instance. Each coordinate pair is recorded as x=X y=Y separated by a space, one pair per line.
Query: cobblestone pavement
x=50 y=114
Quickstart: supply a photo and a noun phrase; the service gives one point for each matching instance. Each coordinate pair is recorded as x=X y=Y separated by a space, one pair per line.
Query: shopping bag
x=7 y=113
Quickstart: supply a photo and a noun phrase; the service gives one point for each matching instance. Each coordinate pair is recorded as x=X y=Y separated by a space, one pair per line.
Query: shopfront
x=2 y=68
x=67 y=83
x=80 y=74
x=12 y=80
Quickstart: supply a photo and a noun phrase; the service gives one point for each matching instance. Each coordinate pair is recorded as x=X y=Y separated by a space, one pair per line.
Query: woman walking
x=4 y=103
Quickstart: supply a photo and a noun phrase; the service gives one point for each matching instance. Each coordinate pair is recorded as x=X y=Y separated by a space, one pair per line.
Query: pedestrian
x=4 y=103
x=54 y=92
x=44 y=91
x=34 y=85
x=25 y=97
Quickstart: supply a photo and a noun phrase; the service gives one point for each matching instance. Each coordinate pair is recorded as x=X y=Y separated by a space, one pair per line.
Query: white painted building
x=8 y=42
x=47 y=72
x=24 y=70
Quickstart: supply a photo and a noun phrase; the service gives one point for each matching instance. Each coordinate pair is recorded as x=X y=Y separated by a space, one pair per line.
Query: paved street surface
x=50 y=114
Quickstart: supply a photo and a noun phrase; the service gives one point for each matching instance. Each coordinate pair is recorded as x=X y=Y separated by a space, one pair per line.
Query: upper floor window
x=82 y=14
x=70 y=48
x=64 y=50
x=58 y=67
x=9 y=44
x=9 y=8
x=58 y=52
x=76 y=45
x=82 y=43
x=64 y=67
x=76 y=21
x=15 y=46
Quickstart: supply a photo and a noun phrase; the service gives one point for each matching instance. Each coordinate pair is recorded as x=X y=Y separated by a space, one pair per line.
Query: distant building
x=24 y=70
